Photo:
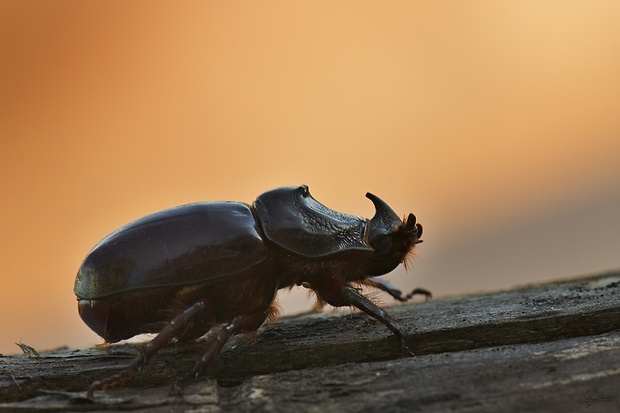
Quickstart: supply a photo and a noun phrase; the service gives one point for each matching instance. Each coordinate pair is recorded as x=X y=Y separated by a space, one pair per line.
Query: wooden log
x=538 y=347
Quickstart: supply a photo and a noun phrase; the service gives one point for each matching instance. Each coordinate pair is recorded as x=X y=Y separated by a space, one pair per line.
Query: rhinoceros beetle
x=184 y=271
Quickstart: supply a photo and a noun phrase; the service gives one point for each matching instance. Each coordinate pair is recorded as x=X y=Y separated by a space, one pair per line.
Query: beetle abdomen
x=118 y=317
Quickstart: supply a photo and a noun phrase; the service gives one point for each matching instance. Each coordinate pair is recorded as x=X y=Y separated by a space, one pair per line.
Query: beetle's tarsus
x=419 y=291
x=116 y=379
x=176 y=388
x=408 y=351
x=392 y=290
x=405 y=348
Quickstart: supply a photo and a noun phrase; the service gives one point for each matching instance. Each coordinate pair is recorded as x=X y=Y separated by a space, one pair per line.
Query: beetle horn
x=385 y=219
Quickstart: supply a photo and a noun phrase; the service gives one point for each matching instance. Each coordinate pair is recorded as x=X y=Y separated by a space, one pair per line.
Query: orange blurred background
x=496 y=123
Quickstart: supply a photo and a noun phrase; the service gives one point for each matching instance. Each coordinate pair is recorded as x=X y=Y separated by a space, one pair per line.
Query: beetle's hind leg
x=392 y=290
x=147 y=350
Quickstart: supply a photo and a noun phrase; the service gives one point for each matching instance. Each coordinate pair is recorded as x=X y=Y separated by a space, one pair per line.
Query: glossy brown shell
x=195 y=243
x=294 y=220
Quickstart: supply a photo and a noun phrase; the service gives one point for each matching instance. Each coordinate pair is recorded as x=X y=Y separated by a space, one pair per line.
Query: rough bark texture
x=538 y=348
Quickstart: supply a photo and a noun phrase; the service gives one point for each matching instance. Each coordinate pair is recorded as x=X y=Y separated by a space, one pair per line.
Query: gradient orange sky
x=496 y=123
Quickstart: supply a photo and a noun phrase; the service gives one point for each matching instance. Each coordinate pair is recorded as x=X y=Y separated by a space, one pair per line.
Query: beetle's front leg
x=340 y=295
x=353 y=297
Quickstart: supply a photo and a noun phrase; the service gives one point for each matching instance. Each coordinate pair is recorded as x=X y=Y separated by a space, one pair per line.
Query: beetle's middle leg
x=241 y=323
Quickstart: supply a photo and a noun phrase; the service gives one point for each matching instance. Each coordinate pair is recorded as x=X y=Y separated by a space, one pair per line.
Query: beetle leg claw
x=420 y=291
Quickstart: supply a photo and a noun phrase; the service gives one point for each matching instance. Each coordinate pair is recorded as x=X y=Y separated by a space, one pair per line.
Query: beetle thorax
x=347 y=267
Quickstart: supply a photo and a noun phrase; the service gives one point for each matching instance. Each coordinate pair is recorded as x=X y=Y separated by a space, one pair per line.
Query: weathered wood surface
x=536 y=348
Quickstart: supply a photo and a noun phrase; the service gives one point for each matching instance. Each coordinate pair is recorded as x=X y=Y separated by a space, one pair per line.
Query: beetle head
x=390 y=237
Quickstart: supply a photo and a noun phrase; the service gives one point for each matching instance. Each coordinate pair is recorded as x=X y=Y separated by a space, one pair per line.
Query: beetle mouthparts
x=410 y=226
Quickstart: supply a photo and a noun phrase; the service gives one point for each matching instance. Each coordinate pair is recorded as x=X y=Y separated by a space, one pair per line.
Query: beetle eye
x=304 y=190
x=381 y=244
